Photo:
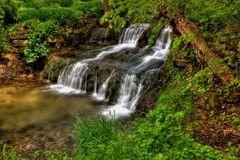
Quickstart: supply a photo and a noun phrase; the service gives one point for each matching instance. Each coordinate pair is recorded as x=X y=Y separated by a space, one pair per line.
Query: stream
x=37 y=115
x=32 y=117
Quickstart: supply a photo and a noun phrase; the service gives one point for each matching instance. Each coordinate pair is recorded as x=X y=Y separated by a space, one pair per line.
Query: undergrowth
x=163 y=134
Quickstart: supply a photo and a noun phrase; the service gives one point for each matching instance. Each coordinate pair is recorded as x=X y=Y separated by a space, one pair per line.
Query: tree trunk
x=186 y=27
x=106 y=5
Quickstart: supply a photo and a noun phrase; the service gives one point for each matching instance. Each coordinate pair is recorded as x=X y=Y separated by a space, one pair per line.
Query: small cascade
x=128 y=39
x=72 y=76
x=71 y=79
x=95 y=86
x=131 y=88
x=132 y=34
x=101 y=94
x=160 y=50
x=129 y=95
x=80 y=77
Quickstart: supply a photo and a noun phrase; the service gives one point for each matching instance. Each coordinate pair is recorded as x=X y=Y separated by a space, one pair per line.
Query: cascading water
x=131 y=88
x=128 y=96
x=131 y=35
x=101 y=94
x=128 y=39
x=160 y=51
x=72 y=77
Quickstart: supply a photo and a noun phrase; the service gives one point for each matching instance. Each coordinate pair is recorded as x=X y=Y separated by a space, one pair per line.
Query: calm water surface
x=27 y=103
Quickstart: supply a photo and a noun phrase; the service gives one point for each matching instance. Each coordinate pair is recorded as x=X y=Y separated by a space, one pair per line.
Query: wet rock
x=60 y=59
x=81 y=34
x=102 y=36
x=53 y=67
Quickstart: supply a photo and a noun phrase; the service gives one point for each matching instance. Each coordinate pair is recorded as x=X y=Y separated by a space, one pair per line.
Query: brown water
x=25 y=103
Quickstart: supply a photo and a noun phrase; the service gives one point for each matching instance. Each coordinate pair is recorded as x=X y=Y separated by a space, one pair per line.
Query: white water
x=129 y=95
x=128 y=39
x=132 y=34
x=72 y=76
x=130 y=91
x=161 y=49
x=72 y=79
x=101 y=94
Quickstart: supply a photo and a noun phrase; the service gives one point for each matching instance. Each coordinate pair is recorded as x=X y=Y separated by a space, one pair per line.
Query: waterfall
x=73 y=78
x=101 y=94
x=129 y=94
x=73 y=75
x=128 y=39
x=131 y=87
x=160 y=50
x=132 y=34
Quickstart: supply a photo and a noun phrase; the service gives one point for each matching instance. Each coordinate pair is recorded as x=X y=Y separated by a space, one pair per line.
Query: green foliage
x=93 y=7
x=62 y=11
x=7 y=12
x=201 y=81
x=134 y=11
x=41 y=18
x=9 y=154
x=159 y=136
x=62 y=3
x=3 y=43
x=180 y=48
x=60 y=14
x=31 y=3
x=233 y=84
x=98 y=139
x=38 y=46
x=50 y=155
x=213 y=10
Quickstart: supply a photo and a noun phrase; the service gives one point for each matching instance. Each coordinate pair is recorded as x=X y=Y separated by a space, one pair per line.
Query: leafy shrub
x=51 y=155
x=60 y=14
x=32 y=3
x=66 y=12
x=38 y=46
x=200 y=82
x=3 y=43
x=213 y=10
x=93 y=7
x=7 y=12
x=159 y=136
x=62 y=3
x=134 y=11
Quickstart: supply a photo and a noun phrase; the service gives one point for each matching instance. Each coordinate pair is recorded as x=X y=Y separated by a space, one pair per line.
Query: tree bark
x=186 y=27
x=107 y=7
